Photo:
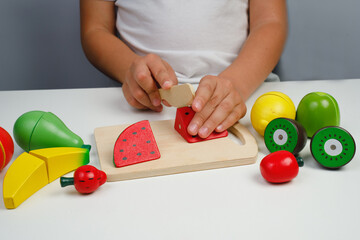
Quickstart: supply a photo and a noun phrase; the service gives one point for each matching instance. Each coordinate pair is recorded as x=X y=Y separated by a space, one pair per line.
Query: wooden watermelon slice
x=182 y=120
x=135 y=144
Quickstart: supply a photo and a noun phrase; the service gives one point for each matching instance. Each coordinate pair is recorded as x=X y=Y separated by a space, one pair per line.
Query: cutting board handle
x=243 y=134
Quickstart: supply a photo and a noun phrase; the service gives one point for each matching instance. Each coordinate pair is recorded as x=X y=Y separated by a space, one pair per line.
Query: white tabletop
x=227 y=203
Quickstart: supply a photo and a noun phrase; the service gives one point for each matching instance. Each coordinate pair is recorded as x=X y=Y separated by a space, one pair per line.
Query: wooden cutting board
x=177 y=155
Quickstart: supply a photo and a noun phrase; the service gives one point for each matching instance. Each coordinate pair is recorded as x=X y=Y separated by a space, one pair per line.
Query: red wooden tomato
x=279 y=167
x=6 y=148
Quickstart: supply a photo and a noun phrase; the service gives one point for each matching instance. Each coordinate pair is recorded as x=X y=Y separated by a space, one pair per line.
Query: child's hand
x=140 y=87
x=218 y=105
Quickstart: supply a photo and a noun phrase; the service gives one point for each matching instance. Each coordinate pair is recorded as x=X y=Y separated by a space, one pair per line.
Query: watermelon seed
x=138 y=154
x=152 y=152
x=124 y=140
x=134 y=133
x=121 y=150
x=124 y=158
x=134 y=145
x=187 y=113
x=148 y=141
x=143 y=128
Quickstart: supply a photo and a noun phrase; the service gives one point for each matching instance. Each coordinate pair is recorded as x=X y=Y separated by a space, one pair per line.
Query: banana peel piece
x=32 y=171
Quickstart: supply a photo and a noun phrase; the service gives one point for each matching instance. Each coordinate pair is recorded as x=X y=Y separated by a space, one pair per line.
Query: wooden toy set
x=51 y=150
x=168 y=145
x=317 y=117
x=146 y=149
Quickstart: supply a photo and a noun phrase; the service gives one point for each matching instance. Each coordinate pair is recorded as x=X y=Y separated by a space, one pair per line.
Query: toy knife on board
x=178 y=95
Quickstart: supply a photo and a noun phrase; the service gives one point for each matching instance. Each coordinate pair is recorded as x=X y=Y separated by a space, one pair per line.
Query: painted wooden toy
x=135 y=144
x=38 y=129
x=317 y=110
x=285 y=134
x=269 y=106
x=86 y=179
x=177 y=155
x=32 y=171
x=179 y=95
x=279 y=167
x=6 y=148
x=332 y=147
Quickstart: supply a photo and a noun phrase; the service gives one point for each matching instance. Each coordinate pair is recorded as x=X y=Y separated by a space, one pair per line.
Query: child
x=228 y=47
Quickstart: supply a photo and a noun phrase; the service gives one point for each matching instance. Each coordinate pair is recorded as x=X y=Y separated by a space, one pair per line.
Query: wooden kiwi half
x=285 y=134
x=332 y=147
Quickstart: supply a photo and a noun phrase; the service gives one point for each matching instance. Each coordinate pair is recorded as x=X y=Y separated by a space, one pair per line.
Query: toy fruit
x=269 y=106
x=183 y=118
x=6 y=148
x=62 y=160
x=135 y=144
x=285 y=134
x=317 y=110
x=33 y=170
x=279 y=167
x=332 y=147
x=25 y=176
x=86 y=179
x=38 y=129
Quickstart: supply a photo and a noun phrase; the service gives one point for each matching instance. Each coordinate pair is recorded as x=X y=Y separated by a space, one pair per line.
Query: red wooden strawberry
x=86 y=179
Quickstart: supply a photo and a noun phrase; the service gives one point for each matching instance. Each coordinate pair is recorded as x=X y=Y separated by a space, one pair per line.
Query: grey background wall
x=40 y=47
x=323 y=40
x=40 y=44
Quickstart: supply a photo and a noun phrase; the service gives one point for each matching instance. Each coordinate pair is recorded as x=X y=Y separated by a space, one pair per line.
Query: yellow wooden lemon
x=269 y=106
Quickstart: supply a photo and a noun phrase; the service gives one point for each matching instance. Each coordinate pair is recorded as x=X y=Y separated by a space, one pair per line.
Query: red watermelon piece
x=135 y=144
x=182 y=120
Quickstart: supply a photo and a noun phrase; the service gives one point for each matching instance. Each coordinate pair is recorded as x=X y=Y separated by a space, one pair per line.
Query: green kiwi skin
x=327 y=167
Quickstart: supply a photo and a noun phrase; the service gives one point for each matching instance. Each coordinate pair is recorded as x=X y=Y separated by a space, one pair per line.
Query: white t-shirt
x=196 y=37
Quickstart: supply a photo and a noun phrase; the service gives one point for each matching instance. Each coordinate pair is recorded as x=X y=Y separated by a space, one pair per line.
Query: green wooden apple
x=317 y=110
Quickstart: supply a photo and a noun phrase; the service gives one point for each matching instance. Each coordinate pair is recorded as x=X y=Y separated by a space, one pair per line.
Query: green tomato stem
x=299 y=160
x=66 y=181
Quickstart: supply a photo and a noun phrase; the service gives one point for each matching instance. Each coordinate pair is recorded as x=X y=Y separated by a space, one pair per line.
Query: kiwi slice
x=332 y=147
x=285 y=134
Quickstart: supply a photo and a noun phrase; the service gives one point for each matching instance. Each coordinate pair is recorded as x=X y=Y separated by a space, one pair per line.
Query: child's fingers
x=140 y=95
x=217 y=105
x=238 y=112
x=207 y=97
x=220 y=113
x=161 y=71
x=130 y=99
x=204 y=92
x=145 y=81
